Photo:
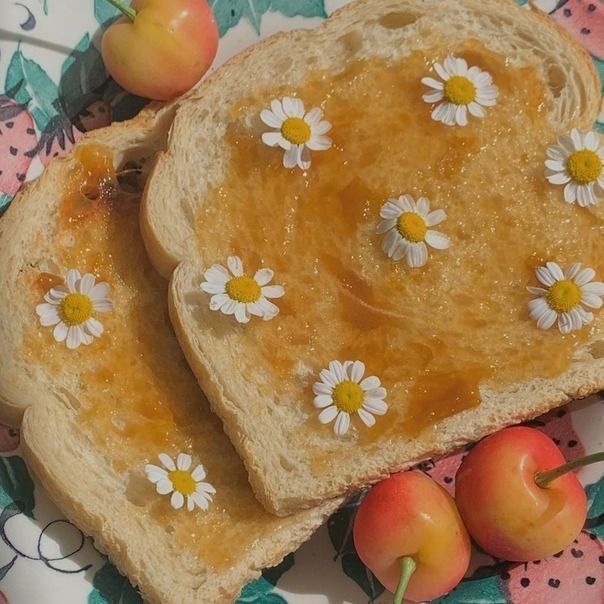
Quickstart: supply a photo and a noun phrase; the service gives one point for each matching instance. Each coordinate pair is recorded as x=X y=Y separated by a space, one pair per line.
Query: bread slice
x=455 y=328
x=94 y=416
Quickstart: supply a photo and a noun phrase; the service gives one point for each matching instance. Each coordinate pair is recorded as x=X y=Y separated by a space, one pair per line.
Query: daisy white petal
x=277 y=108
x=328 y=414
x=241 y=313
x=167 y=461
x=558 y=178
x=212 y=287
x=74 y=337
x=177 y=500
x=322 y=400
x=273 y=291
x=235 y=265
x=290 y=157
x=198 y=473
x=164 y=486
x=270 y=119
x=183 y=461
x=376 y=406
x=337 y=369
x=200 y=500
x=366 y=417
x=369 y=383
x=264 y=276
x=71 y=280
x=356 y=371
x=86 y=283
x=155 y=473
x=417 y=255
x=596 y=287
x=60 y=332
x=342 y=423
x=272 y=139
x=436 y=217
x=94 y=327
x=437 y=240
x=206 y=488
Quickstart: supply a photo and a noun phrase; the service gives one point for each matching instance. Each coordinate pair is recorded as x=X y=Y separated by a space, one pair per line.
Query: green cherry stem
x=124 y=8
x=408 y=567
x=543 y=479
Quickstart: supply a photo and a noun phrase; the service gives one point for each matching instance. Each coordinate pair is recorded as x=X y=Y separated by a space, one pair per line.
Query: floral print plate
x=53 y=88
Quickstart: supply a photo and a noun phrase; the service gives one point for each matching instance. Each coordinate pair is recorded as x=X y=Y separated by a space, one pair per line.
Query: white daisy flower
x=407 y=226
x=183 y=484
x=70 y=308
x=342 y=392
x=461 y=89
x=235 y=293
x=577 y=162
x=565 y=297
x=298 y=133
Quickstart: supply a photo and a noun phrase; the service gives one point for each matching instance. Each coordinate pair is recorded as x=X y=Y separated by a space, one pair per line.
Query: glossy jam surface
x=433 y=334
x=133 y=390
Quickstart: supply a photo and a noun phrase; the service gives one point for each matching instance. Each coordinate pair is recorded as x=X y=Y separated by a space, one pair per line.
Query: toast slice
x=452 y=342
x=94 y=416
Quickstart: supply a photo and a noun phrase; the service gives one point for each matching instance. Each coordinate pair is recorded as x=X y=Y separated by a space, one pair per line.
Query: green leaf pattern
x=16 y=486
x=229 y=12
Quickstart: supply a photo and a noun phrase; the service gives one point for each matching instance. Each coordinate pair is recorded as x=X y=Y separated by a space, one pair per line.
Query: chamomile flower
x=236 y=293
x=182 y=483
x=298 y=132
x=565 y=296
x=577 y=162
x=342 y=392
x=71 y=307
x=460 y=90
x=407 y=226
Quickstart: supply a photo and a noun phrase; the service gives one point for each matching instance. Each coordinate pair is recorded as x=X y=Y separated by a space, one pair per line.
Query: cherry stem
x=543 y=479
x=408 y=567
x=125 y=9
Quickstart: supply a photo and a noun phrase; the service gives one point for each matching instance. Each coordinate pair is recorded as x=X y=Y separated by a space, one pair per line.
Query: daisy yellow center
x=412 y=227
x=75 y=309
x=348 y=396
x=564 y=295
x=459 y=90
x=295 y=130
x=182 y=482
x=243 y=289
x=584 y=166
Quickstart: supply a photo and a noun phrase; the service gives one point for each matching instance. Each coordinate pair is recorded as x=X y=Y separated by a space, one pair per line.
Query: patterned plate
x=52 y=89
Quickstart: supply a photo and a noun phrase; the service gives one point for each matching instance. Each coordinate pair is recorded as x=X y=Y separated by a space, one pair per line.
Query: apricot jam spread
x=433 y=335
x=131 y=388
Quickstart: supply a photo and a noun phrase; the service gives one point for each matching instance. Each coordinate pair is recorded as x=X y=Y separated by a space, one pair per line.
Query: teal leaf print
x=104 y=12
x=339 y=527
x=16 y=486
x=302 y=8
x=82 y=75
x=31 y=87
x=259 y=591
x=109 y=587
x=228 y=13
x=44 y=4
x=487 y=590
x=4 y=202
x=595 y=513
